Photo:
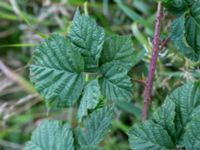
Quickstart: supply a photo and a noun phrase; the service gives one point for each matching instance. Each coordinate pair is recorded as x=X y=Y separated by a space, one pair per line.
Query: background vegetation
x=24 y=23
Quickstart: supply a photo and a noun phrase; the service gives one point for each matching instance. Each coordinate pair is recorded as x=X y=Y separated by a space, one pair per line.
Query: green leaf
x=176 y=6
x=80 y=137
x=115 y=83
x=56 y=71
x=87 y=38
x=187 y=101
x=195 y=11
x=184 y=34
x=149 y=136
x=51 y=135
x=192 y=135
x=118 y=49
x=90 y=98
x=178 y=117
x=164 y=116
x=193 y=34
x=90 y=148
x=97 y=125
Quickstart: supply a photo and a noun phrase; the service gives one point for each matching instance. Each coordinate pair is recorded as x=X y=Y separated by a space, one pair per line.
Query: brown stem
x=152 y=66
x=139 y=81
x=164 y=43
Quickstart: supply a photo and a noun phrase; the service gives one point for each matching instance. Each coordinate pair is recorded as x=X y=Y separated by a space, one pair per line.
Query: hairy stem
x=152 y=66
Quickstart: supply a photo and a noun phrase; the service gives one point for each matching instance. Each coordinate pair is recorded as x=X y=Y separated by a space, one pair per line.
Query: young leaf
x=56 y=71
x=149 y=136
x=87 y=38
x=97 y=125
x=165 y=115
x=90 y=98
x=51 y=135
x=184 y=34
x=118 y=49
x=115 y=83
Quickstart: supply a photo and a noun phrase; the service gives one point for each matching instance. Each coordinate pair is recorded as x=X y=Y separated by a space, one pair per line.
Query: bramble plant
x=89 y=68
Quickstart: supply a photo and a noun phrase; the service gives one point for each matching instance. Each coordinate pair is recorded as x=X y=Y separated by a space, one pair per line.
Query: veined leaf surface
x=51 y=135
x=90 y=98
x=118 y=49
x=56 y=71
x=87 y=38
x=149 y=136
x=97 y=125
x=115 y=83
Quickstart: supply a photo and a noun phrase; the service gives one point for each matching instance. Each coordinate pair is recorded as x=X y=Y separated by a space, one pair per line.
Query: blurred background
x=25 y=23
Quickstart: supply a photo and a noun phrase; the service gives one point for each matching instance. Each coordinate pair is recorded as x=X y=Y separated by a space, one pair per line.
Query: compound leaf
x=90 y=98
x=151 y=136
x=51 y=135
x=118 y=49
x=115 y=83
x=56 y=71
x=87 y=38
x=176 y=120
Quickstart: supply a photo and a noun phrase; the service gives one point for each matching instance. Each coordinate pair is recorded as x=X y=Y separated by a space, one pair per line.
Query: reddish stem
x=152 y=66
x=139 y=81
x=164 y=43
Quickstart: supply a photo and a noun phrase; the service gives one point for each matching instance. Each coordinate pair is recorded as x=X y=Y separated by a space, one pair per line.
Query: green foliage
x=191 y=136
x=185 y=32
x=90 y=98
x=178 y=6
x=57 y=66
x=97 y=125
x=56 y=71
x=195 y=12
x=165 y=119
x=90 y=68
x=187 y=100
x=87 y=38
x=151 y=136
x=176 y=122
x=53 y=135
x=115 y=84
x=118 y=49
